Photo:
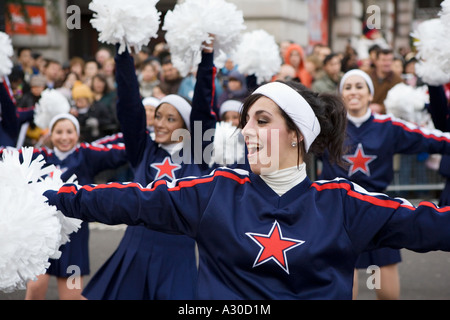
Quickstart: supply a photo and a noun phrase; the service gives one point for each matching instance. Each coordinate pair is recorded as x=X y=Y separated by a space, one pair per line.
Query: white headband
x=151 y=101
x=67 y=116
x=182 y=106
x=357 y=72
x=230 y=105
x=295 y=106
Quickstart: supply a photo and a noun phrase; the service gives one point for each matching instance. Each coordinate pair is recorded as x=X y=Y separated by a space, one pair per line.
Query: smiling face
x=167 y=120
x=268 y=138
x=356 y=95
x=64 y=135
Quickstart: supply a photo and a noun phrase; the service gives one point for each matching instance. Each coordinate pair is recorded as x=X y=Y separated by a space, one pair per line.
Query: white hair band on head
x=357 y=72
x=295 y=106
x=230 y=105
x=182 y=106
x=67 y=116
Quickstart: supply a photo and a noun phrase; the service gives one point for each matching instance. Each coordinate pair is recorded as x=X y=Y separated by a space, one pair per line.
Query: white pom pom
x=51 y=103
x=6 y=52
x=31 y=231
x=433 y=51
x=444 y=14
x=229 y=146
x=189 y=24
x=131 y=24
x=258 y=54
x=406 y=102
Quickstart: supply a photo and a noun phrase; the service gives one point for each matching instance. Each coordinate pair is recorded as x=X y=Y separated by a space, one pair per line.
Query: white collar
x=358 y=121
x=281 y=181
x=63 y=155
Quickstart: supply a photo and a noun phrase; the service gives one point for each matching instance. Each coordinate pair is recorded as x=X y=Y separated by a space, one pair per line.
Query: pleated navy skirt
x=74 y=255
x=147 y=265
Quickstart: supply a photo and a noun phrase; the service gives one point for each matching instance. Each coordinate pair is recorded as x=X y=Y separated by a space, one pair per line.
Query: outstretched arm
x=130 y=111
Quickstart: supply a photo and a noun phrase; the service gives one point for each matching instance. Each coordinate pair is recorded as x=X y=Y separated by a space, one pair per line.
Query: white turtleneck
x=281 y=181
x=61 y=155
x=358 y=121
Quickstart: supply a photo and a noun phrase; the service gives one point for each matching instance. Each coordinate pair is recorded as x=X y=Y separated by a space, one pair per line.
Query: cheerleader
x=84 y=161
x=372 y=140
x=150 y=264
x=271 y=233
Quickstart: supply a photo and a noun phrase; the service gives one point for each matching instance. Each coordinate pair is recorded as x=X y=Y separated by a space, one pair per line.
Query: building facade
x=68 y=31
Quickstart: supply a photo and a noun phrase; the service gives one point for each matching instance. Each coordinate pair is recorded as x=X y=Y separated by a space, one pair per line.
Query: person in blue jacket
x=149 y=264
x=372 y=140
x=271 y=233
x=84 y=161
x=9 y=122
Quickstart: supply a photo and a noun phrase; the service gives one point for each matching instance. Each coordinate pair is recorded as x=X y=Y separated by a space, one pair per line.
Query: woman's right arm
x=130 y=111
x=171 y=207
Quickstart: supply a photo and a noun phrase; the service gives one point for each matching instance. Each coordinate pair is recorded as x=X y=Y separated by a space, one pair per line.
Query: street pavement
x=423 y=276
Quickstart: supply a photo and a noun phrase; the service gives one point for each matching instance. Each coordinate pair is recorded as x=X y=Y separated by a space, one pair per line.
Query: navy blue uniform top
x=9 y=123
x=254 y=244
x=371 y=147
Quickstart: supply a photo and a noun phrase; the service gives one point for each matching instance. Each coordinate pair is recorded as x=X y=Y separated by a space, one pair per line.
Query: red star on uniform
x=360 y=161
x=166 y=169
x=273 y=247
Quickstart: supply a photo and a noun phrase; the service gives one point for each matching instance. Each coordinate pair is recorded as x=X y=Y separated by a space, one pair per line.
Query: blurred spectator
x=25 y=62
x=106 y=96
x=286 y=73
x=108 y=70
x=53 y=73
x=91 y=68
x=102 y=55
x=170 y=77
x=350 y=59
x=331 y=77
x=224 y=72
x=383 y=79
x=295 y=56
x=236 y=88
x=27 y=104
x=148 y=79
x=95 y=119
x=77 y=66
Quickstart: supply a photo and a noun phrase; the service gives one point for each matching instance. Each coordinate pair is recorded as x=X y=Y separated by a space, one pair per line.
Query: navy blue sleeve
x=171 y=207
x=410 y=138
x=203 y=117
x=9 y=122
x=439 y=108
x=375 y=220
x=130 y=111
x=104 y=157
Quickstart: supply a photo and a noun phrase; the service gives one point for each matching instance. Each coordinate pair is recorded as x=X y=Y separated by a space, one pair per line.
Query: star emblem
x=165 y=169
x=359 y=161
x=273 y=247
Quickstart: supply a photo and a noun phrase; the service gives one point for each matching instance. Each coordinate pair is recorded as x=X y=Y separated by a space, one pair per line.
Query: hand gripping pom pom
x=6 y=52
x=131 y=24
x=258 y=54
x=31 y=231
x=51 y=103
x=190 y=24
